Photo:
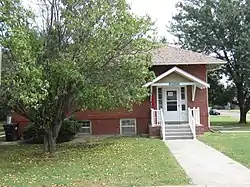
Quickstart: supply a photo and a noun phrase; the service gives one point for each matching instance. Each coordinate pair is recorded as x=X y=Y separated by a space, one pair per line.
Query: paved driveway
x=206 y=166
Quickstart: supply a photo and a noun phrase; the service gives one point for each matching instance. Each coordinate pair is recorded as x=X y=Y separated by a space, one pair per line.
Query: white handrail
x=194 y=119
x=157 y=119
x=163 y=125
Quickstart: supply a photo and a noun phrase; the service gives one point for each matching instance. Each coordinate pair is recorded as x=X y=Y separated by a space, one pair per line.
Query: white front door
x=175 y=104
x=172 y=109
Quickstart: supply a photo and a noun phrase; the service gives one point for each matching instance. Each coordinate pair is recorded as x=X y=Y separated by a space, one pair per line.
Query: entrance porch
x=176 y=100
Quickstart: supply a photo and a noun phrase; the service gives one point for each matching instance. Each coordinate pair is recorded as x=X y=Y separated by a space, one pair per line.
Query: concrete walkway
x=206 y=166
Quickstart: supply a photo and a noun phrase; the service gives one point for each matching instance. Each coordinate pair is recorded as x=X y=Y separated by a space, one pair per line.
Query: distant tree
x=219 y=93
x=91 y=54
x=220 y=27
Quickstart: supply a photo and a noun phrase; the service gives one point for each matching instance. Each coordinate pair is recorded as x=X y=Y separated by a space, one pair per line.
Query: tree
x=221 y=28
x=219 y=94
x=91 y=54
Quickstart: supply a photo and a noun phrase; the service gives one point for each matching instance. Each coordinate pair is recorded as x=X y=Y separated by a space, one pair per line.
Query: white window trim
x=127 y=126
x=90 y=127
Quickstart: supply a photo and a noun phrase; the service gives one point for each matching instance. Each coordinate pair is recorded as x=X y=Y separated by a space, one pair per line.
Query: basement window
x=85 y=127
x=128 y=126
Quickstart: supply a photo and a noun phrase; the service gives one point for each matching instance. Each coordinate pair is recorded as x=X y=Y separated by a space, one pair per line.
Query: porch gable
x=169 y=78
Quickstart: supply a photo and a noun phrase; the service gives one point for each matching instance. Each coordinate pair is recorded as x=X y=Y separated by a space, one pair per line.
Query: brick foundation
x=199 y=130
x=154 y=132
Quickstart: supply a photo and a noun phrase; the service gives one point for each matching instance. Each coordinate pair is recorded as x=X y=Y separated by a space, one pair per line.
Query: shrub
x=69 y=129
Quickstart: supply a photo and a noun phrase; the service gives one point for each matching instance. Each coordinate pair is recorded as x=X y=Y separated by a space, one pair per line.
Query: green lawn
x=1 y=128
x=106 y=162
x=234 y=145
x=227 y=123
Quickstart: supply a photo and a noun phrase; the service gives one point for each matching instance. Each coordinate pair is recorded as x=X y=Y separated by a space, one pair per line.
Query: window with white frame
x=85 y=127
x=160 y=99
x=128 y=126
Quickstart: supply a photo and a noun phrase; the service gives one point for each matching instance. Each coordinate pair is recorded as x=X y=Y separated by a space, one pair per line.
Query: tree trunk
x=49 y=142
x=45 y=142
x=52 y=142
x=243 y=115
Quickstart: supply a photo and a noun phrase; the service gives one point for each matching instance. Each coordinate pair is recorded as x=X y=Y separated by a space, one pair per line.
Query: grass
x=1 y=128
x=227 y=123
x=108 y=162
x=234 y=145
x=223 y=120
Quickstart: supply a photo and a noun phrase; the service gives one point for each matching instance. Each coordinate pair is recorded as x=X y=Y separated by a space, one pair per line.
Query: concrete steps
x=178 y=131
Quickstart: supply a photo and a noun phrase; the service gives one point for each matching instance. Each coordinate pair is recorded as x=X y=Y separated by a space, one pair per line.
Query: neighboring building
x=178 y=102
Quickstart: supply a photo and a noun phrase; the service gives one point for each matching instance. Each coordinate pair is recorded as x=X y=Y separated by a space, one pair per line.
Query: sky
x=161 y=11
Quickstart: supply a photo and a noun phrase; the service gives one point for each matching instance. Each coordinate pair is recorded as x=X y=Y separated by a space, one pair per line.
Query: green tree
x=220 y=94
x=91 y=54
x=219 y=27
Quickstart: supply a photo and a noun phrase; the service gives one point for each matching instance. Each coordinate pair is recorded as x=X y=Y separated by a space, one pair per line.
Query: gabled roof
x=201 y=83
x=167 y=55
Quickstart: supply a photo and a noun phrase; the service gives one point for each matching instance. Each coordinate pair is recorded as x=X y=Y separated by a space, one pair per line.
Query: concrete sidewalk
x=207 y=166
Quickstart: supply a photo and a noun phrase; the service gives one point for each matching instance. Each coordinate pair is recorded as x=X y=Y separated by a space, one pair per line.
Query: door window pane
x=171 y=95
x=160 y=101
x=172 y=106
x=183 y=95
x=183 y=107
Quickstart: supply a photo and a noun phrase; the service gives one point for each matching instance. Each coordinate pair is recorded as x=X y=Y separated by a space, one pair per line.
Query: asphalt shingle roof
x=168 y=55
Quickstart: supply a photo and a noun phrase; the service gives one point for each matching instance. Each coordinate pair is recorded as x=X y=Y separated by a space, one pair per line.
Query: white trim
x=90 y=127
x=180 y=84
x=202 y=84
x=151 y=93
x=193 y=92
x=157 y=98
x=127 y=126
x=186 y=104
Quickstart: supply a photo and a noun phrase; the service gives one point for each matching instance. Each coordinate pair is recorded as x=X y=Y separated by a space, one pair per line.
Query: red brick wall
x=199 y=101
x=154 y=98
x=109 y=122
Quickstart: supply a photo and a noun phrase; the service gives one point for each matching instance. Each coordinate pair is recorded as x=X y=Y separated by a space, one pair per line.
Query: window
x=183 y=107
x=183 y=95
x=172 y=106
x=160 y=101
x=171 y=95
x=128 y=126
x=85 y=127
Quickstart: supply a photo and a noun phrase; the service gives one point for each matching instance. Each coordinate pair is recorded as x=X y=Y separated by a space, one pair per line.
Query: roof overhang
x=195 y=80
